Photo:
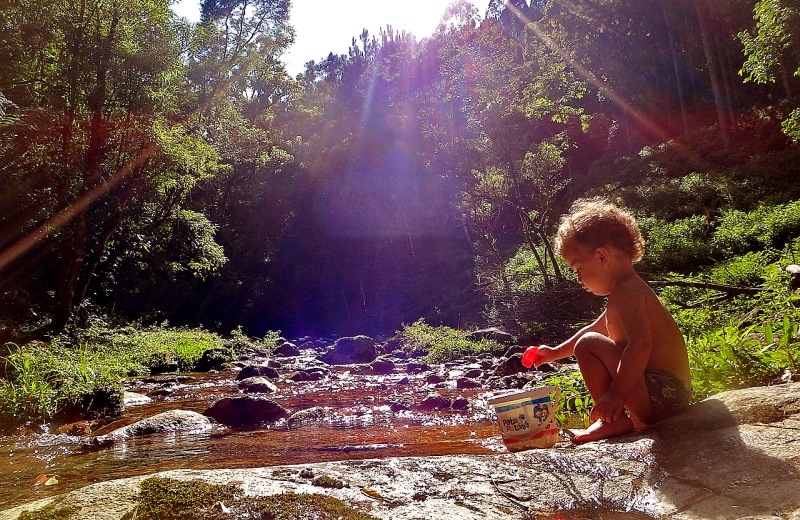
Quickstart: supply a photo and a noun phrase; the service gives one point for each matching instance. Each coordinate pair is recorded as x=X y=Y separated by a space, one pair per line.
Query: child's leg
x=598 y=358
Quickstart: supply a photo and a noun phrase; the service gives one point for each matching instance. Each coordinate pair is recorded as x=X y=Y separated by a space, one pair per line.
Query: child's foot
x=601 y=430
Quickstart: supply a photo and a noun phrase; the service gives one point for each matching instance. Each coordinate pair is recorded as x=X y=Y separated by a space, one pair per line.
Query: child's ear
x=603 y=254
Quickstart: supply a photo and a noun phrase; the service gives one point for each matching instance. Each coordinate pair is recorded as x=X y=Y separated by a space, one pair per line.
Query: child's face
x=590 y=268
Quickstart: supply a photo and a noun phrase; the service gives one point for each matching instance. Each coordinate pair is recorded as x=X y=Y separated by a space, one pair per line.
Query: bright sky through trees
x=323 y=27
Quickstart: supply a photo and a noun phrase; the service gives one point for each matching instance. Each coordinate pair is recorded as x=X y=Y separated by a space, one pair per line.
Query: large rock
x=169 y=421
x=246 y=411
x=733 y=456
x=346 y=351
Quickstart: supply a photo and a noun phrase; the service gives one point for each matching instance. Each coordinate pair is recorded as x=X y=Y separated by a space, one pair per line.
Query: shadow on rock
x=732 y=455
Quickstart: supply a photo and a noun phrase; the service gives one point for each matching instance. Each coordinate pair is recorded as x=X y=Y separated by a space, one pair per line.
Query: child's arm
x=567 y=348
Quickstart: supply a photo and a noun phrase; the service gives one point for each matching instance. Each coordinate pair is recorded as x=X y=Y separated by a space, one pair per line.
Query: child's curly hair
x=596 y=222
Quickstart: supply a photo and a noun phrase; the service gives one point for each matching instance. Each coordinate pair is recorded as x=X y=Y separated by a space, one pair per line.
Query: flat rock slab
x=733 y=456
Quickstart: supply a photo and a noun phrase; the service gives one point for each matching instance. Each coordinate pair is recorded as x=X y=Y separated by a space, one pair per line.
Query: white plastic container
x=527 y=419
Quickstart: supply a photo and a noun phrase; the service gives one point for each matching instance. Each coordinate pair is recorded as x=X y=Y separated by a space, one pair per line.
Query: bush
x=738 y=232
x=747 y=340
x=675 y=246
x=442 y=344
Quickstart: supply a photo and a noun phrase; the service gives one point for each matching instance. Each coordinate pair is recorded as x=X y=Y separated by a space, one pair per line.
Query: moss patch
x=49 y=512
x=169 y=499
x=291 y=506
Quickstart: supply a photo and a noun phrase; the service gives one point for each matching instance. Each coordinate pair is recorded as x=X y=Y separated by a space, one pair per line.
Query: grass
x=42 y=377
x=441 y=344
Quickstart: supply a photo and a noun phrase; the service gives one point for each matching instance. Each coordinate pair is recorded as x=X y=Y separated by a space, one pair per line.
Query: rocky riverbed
x=734 y=455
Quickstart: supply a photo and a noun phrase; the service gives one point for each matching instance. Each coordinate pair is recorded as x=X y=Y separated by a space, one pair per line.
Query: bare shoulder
x=629 y=291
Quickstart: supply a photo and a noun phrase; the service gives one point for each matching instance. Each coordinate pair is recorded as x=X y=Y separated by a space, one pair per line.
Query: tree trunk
x=712 y=74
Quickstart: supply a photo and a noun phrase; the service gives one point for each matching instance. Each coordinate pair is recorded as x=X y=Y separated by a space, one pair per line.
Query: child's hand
x=546 y=355
x=609 y=409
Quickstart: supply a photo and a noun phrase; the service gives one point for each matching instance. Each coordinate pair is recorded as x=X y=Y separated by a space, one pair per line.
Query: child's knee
x=589 y=343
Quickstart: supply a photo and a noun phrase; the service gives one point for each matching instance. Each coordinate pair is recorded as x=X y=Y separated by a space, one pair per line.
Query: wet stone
x=247 y=410
x=400 y=402
x=257 y=371
x=434 y=379
x=257 y=385
x=314 y=374
x=169 y=421
x=417 y=368
x=434 y=402
x=307 y=416
x=382 y=366
x=287 y=349
x=213 y=359
x=465 y=382
x=460 y=403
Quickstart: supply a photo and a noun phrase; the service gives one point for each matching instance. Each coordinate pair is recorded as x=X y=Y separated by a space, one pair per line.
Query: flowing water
x=359 y=424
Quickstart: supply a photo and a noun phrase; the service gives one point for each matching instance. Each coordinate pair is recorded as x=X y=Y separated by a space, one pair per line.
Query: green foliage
x=747 y=340
x=443 y=343
x=735 y=357
x=677 y=245
x=775 y=24
x=179 y=345
x=766 y=226
x=576 y=402
x=271 y=338
x=690 y=243
x=43 y=377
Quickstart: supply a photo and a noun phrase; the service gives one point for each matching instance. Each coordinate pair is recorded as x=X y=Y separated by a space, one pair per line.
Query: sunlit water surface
x=359 y=424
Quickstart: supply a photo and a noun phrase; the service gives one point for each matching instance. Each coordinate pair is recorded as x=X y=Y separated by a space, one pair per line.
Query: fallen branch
x=730 y=289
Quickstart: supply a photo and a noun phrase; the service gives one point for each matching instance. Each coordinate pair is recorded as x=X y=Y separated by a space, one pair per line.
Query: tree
x=771 y=50
x=130 y=95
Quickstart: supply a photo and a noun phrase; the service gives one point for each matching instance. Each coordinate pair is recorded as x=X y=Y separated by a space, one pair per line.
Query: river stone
x=169 y=421
x=508 y=366
x=213 y=359
x=288 y=349
x=346 y=351
x=434 y=402
x=245 y=411
x=257 y=385
x=414 y=367
x=309 y=374
x=257 y=371
x=307 y=416
x=382 y=366
x=466 y=382
x=134 y=398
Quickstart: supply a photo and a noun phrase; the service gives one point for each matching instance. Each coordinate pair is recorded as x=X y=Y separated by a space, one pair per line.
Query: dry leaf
x=40 y=479
x=52 y=481
x=371 y=493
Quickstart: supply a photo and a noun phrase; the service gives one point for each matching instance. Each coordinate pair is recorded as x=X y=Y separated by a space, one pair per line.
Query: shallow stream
x=359 y=425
